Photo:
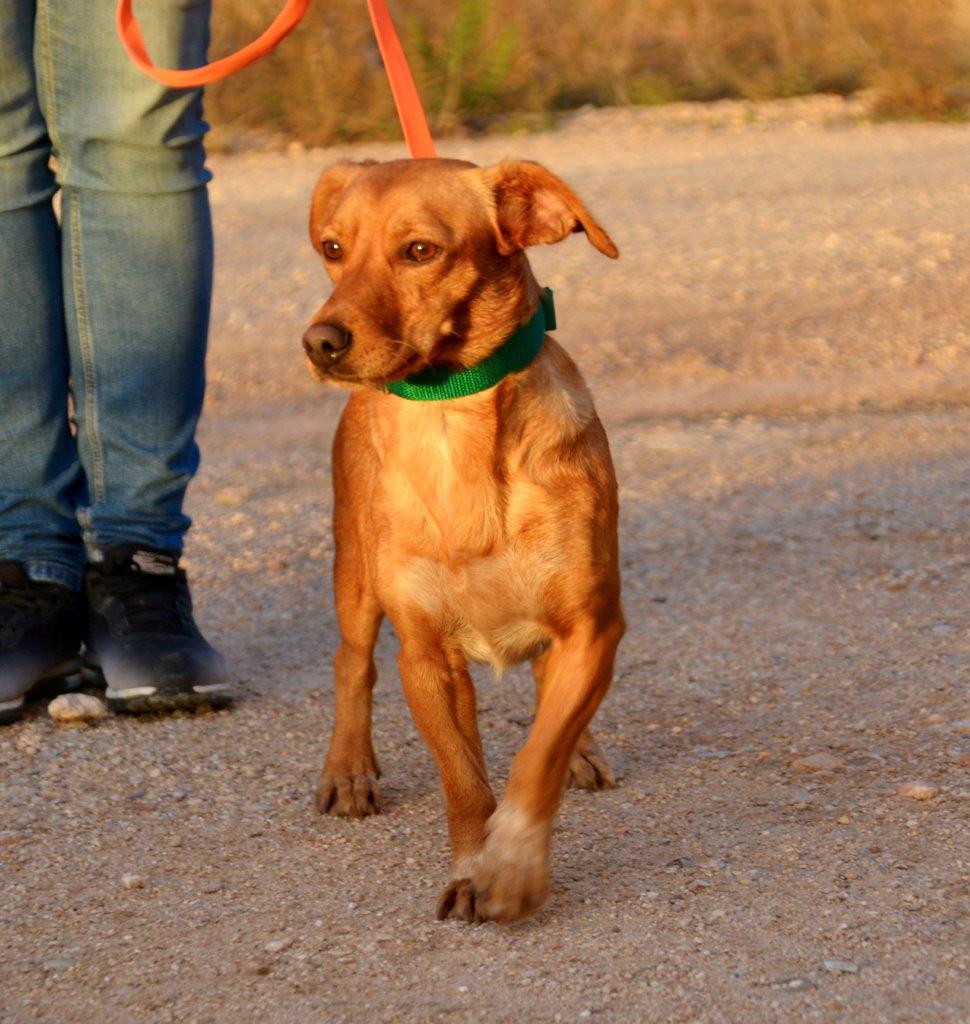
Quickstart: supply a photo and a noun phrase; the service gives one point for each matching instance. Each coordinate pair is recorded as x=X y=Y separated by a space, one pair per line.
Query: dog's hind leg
x=588 y=767
x=441 y=696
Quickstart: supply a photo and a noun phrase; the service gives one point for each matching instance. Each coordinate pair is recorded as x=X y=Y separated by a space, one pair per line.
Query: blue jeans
x=103 y=314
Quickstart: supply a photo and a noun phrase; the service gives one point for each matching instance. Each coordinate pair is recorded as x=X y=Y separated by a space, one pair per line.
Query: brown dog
x=485 y=526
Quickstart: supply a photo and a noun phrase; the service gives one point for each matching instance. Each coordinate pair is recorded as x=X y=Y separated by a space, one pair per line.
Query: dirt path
x=783 y=362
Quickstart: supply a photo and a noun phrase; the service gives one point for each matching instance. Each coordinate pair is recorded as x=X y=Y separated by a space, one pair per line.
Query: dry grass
x=475 y=59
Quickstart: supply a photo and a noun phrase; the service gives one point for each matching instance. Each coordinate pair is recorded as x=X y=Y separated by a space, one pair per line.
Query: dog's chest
x=490 y=605
x=465 y=544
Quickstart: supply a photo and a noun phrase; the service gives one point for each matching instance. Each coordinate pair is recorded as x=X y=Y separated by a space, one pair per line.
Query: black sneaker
x=142 y=643
x=40 y=639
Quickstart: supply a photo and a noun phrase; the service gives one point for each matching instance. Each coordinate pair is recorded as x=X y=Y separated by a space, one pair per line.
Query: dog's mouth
x=347 y=379
x=342 y=374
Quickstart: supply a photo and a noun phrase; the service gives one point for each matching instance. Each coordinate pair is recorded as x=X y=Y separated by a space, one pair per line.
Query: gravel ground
x=783 y=363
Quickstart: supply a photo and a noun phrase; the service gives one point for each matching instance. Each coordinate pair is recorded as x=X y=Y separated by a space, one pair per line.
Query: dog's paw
x=352 y=796
x=458 y=901
x=588 y=769
x=512 y=877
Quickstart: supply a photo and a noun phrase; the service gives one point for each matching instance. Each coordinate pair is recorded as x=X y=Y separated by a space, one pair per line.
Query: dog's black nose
x=326 y=343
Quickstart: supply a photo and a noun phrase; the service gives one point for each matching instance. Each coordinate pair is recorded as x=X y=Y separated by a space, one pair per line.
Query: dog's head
x=426 y=259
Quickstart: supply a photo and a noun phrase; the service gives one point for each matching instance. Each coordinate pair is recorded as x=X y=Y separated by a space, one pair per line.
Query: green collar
x=514 y=354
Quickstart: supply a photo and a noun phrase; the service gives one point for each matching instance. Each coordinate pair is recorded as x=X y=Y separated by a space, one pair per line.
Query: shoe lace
x=151 y=604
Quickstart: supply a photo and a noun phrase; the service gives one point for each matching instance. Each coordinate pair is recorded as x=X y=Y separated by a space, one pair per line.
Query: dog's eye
x=332 y=250
x=421 y=252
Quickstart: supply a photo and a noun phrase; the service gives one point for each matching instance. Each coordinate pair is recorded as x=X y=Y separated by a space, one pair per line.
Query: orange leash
x=409 y=110
x=406 y=99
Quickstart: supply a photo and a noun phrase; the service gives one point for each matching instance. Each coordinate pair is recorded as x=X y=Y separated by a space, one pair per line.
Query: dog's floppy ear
x=328 y=190
x=533 y=206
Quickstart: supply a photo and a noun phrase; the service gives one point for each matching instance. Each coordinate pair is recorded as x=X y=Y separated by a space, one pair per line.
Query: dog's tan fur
x=484 y=527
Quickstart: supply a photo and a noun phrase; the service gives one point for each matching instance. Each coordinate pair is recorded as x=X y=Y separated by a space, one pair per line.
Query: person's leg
x=40 y=478
x=137 y=280
x=137 y=259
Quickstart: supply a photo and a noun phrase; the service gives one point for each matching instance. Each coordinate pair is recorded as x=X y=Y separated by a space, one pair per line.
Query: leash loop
x=405 y=93
x=134 y=43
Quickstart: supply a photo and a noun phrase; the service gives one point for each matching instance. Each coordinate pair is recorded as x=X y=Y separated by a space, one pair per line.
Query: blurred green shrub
x=467 y=71
x=476 y=59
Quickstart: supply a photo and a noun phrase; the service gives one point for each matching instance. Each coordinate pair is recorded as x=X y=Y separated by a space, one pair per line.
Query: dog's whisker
x=423 y=359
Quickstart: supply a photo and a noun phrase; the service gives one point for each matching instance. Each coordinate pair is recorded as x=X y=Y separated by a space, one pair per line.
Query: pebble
x=840 y=966
x=58 y=965
x=29 y=741
x=800 y=798
x=231 y=497
x=793 y=984
x=132 y=882
x=278 y=945
x=919 y=790
x=71 y=708
x=212 y=887
x=816 y=763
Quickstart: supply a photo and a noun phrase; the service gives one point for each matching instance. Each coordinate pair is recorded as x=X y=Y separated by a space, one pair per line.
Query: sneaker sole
x=142 y=700
x=62 y=678
x=11 y=711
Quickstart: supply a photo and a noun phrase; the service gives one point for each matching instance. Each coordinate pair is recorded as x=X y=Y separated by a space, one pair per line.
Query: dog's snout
x=326 y=343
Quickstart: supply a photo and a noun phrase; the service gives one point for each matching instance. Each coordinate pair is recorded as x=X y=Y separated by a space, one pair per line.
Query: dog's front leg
x=348 y=782
x=441 y=696
x=512 y=878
